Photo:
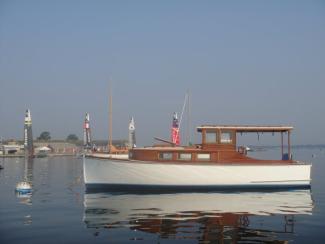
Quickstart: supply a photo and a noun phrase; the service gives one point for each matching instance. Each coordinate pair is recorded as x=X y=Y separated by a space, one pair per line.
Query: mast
x=110 y=120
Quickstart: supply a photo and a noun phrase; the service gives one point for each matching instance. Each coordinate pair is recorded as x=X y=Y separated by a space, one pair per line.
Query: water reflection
x=25 y=197
x=249 y=216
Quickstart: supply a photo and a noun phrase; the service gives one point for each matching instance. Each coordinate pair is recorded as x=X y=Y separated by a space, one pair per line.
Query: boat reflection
x=25 y=197
x=220 y=216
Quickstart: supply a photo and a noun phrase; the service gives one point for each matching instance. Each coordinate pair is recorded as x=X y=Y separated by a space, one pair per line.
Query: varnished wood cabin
x=218 y=146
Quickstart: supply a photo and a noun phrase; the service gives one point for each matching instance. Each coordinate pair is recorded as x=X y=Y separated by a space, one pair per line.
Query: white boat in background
x=214 y=164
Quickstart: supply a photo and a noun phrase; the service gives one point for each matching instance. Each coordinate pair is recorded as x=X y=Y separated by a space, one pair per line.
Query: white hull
x=112 y=173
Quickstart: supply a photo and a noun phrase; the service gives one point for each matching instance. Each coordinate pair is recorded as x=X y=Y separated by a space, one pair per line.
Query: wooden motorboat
x=216 y=163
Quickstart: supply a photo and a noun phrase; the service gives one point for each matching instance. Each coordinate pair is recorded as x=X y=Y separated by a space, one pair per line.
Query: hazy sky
x=244 y=62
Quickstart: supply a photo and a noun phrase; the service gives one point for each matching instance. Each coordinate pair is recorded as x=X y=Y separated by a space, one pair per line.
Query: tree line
x=46 y=136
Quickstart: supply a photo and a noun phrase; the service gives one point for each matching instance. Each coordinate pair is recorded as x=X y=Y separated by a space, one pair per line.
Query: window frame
x=161 y=157
x=231 y=137
x=184 y=159
x=203 y=159
x=212 y=132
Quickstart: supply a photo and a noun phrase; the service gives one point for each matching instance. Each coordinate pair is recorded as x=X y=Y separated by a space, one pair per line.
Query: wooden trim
x=203 y=136
x=216 y=156
x=248 y=128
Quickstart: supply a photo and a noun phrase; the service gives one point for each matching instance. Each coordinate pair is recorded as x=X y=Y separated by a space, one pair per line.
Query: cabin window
x=226 y=137
x=203 y=156
x=185 y=156
x=210 y=137
x=166 y=156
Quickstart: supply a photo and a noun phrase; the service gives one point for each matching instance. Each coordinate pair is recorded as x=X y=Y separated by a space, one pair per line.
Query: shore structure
x=30 y=148
x=28 y=135
x=215 y=163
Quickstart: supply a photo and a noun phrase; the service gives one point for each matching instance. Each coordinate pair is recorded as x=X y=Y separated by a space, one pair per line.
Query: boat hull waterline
x=152 y=175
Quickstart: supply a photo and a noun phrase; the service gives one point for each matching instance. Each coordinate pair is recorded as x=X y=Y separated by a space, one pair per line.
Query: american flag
x=175 y=130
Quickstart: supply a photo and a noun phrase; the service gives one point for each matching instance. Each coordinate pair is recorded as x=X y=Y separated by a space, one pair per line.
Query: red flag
x=175 y=131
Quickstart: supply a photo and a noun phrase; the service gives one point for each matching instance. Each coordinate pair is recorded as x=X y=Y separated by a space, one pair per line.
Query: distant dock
x=15 y=149
x=36 y=156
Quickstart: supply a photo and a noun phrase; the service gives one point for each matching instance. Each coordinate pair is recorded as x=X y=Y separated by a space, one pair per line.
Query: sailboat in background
x=112 y=151
x=25 y=187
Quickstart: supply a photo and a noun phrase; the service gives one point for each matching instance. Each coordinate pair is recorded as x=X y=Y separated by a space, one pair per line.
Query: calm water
x=59 y=210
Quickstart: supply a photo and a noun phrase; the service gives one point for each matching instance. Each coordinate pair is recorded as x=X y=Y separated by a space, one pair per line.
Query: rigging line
x=188 y=118
x=180 y=120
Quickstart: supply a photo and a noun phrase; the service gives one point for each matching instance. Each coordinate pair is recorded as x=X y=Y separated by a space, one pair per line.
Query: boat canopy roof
x=246 y=128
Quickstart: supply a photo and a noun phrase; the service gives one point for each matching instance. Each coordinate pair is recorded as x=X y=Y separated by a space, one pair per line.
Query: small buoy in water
x=23 y=187
x=1 y=167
